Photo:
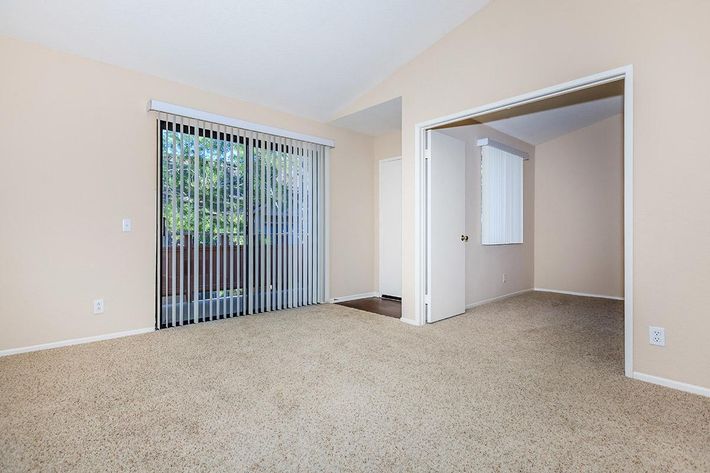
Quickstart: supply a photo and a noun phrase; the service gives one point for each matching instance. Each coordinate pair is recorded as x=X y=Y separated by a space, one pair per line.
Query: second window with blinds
x=501 y=194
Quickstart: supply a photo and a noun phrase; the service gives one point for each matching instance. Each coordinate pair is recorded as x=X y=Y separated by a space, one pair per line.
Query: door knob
x=464 y=237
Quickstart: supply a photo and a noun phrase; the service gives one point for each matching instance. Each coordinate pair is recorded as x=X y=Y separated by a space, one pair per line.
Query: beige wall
x=386 y=146
x=579 y=210
x=513 y=47
x=486 y=265
x=78 y=155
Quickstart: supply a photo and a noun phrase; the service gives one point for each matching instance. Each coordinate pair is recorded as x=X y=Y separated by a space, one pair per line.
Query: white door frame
x=379 y=217
x=624 y=73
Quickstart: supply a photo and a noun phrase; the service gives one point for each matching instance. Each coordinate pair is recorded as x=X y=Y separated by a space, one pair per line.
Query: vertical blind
x=501 y=197
x=241 y=222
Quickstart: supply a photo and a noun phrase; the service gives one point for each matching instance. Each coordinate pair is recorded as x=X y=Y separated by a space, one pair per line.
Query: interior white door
x=391 y=227
x=446 y=227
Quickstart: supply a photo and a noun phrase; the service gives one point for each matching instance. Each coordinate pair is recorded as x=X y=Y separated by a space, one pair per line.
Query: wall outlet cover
x=98 y=306
x=657 y=336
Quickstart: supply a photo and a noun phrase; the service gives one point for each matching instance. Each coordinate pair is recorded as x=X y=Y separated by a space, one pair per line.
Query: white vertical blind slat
x=229 y=165
x=291 y=223
x=301 y=281
x=164 y=227
x=241 y=236
x=309 y=268
x=210 y=220
x=279 y=224
x=204 y=191
x=196 y=226
x=297 y=228
x=173 y=216
x=217 y=229
x=251 y=223
x=314 y=211
x=306 y=226
x=226 y=244
x=262 y=225
x=179 y=217
x=187 y=139
x=269 y=226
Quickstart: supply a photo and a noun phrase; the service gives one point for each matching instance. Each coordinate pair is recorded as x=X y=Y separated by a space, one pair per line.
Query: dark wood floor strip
x=376 y=305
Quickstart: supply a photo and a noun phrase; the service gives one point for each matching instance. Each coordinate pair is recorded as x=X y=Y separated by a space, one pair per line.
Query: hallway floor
x=377 y=305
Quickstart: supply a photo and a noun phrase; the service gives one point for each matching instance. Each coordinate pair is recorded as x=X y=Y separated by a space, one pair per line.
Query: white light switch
x=127 y=225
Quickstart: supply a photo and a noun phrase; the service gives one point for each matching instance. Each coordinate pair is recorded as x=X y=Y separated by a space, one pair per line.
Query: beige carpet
x=532 y=383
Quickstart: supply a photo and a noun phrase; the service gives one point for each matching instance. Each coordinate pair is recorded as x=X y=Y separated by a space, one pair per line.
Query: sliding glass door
x=241 y=222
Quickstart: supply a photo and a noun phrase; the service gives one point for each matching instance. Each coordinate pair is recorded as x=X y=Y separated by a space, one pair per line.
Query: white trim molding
x=669 y=383
x=76 y=341
x=158 y=106
x=354 y=297
x=497 y=298
x=582 y=294
x=624 y=73
x=410 y=322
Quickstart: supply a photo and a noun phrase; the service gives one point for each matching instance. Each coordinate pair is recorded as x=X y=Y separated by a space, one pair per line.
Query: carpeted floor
x=532 y=383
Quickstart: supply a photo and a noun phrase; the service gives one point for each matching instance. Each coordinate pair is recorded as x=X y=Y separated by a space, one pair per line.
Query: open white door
x=447 y=226
x=391 y=227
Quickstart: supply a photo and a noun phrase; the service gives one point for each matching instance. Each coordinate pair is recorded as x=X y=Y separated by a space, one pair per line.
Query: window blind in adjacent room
x=501 y=196
x=241 y=221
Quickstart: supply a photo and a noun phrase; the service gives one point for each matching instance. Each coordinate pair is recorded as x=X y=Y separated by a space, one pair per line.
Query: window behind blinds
x=241 y=222
x=501 y=197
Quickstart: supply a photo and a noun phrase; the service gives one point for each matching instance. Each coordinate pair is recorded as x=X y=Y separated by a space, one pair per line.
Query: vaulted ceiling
x=307 y=57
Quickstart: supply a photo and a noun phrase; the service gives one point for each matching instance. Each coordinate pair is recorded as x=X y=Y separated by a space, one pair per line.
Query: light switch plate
x=127 y=225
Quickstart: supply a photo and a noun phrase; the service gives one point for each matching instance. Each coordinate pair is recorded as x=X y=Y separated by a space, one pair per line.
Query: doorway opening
x=503 y=230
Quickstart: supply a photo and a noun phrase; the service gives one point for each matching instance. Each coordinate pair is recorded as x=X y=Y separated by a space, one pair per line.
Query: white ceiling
x=539 y=127
x=376 y=120
x=307 y=57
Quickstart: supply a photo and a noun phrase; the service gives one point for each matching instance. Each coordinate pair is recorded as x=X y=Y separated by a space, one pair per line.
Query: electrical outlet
x=505 y=277
x=657 y=336
x=127 y=225
x=98 y=306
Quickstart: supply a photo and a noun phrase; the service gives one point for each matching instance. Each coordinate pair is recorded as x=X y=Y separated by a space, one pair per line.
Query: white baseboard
x=354 y=297
x=669 y=383
x=75 y=341
x=583 y=294
x=410 y=322
x=497 y=298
